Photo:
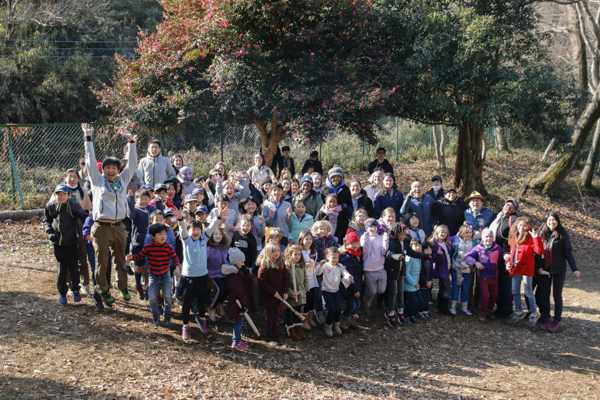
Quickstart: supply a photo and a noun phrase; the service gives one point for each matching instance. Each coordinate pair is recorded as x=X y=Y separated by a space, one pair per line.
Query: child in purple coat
x=485 y=257
x=442 y=258
x=216 y=256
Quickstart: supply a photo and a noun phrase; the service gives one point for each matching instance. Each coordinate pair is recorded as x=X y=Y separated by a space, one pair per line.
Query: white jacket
x=332 y=276
x=311 y=272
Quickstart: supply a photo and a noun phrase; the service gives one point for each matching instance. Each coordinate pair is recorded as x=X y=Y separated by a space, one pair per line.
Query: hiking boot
x=185 y=332
x=124 y=293
x=156 y=320
x=84 y=290
x=108 y=299
x=391 y=320
x=465 y=309
x=62 y=299
x=220 y=310
x=328 y=331
x=554 y=325
x=76 y=297
x=239 y=346
x=453 y=307
x=320 y=316
x=211 y=314
x=167 y=321
x=545 y=323
x=98 y=301
x=202 y=324
x=533 y=319
x=516 y=318
x=481 y=317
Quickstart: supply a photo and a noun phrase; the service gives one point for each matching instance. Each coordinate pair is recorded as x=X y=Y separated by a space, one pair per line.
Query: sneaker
x=140 y=293
x=391 y=320
x=84 y=290
x=202 y=324
x=108 y=299
x=545 y=323
x=63 y=299
x=185 y=332
x=491 y=316
x=421 y=317
x=239 y=346
x=426 y=316
x=220 y=310
x=367 y=311
x=320 y=316
x=466 y=310
x=124 y=293
x=76 y=297
x=98 y=302
x=270 y=339
x=481 y=317
x=533 y=319
x=70 y=292
x=211 y=314
x=156 y=320
x=516 y=318
x=277 y=339
x=167 y=321
x=405 y=321
x=414 y=320
x=554 y=325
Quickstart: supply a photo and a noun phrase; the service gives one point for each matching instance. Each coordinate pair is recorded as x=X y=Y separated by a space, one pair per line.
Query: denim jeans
x=352 y=304
x=154 y=284
x=516 y=290
x=413 y=303
x=463 y=288
x=237 y=329
x=334 y=306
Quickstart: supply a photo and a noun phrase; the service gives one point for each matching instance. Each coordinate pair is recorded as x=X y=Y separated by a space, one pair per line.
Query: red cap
x=351 y=236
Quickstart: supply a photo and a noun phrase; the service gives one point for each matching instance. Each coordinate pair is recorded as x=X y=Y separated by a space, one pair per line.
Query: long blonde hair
x=289 y=256
x=265 y=259
x=436 y=233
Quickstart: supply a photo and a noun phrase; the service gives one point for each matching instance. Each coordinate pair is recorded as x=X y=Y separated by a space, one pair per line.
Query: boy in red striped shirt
x=158 y=254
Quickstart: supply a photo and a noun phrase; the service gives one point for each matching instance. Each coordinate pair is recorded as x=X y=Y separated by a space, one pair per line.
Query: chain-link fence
x=34 y=158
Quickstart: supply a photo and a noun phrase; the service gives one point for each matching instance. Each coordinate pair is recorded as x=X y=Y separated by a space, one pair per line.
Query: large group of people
x=311 y=248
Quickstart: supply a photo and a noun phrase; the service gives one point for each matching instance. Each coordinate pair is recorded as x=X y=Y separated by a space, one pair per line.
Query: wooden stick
x=250 y=322
x=294 y=278
x=288 y=305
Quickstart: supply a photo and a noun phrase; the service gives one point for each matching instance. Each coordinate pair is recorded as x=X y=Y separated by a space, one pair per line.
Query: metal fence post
x=431 y=137
x=15 y=174
x=396 y=138
x=221 y=146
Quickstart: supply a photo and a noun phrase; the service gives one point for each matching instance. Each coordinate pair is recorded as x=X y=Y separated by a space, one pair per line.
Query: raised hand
x=261 y=220
x=533 y=233
x=224 y=213
x=87 y=129
x=126 y=134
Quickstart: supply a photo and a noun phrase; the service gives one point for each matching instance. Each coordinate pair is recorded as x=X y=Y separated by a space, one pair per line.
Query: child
x=333 y=273
x=194 y=273
x=414 y=303
x=412 y=222
x=374 y=249
x=485 y=257
x=155 y=168
x=285 y=174
x=216 y=256
x=174 y=192
x=109 y=209
x=277 y=212
x=229 y=189
x=388 y=218
x=251 y=207
x=139 y=211
x=158 y=253
x=243 y=239
x=336 y=215
x=294 y=187
x=161 y=201
x=426 y=280
x=295 y=266
x=313 y=162
x=259 y=171
x=240 y=288
x=60 y=219
x=300 y=221
x=201 y=214
x=351 y=259
x=287 y=195
x=317 y=178
x=287 y=161
x=312 y=200
x=273 y=285
x=359 y=218
x=461 y=271
x=265 y=187
x=389 y=196
x=202 y=198
x=442 y=257
x=230 y=220
x=190 y=202
x=323 y=238
x=309 y=254
x=187 y=216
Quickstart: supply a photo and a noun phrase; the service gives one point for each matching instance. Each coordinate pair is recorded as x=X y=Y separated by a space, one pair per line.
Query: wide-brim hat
x=475 y=195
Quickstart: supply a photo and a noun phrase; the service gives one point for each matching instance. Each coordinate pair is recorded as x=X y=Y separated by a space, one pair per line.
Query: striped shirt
x=158 y=256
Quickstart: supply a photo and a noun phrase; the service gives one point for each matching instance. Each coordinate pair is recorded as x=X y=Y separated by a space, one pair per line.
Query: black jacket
x=316 y=165
x=247 y=244
x=61 y=220
x=354 y=266
x=341 y=225
x=426 y=274
x=395 y=268
x=385 y=166
x=438 y=196
x=291 y=165
x=365 y=202
x=449 y=214
x=344 y=197
x=557 y=247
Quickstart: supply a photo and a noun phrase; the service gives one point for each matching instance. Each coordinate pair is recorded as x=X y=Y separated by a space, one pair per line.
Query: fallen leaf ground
x=75 y=352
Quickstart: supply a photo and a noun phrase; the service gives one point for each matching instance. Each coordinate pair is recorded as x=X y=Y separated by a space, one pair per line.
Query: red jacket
x=239 y=286
x=525 y=264
x=270 y=281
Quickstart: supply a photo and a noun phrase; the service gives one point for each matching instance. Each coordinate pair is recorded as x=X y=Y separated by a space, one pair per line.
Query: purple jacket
x=489 y=259
x=215 y=258
x=441 y=268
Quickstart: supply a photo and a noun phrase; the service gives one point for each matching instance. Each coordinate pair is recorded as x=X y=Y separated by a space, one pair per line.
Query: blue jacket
x=423 y=208
x=383 y=202
x=140 y=220
x=484 y=215
x=413 y=272
x=298 y=226
x=354 y=266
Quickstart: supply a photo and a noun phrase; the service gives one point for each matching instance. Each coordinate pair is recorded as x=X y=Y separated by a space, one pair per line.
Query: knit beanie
x=351 y=236
x=306 y=178
x=371 y=223
x=336 y=170
x=236 y=256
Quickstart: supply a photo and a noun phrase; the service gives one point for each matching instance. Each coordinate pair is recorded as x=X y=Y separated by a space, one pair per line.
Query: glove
x=244 y=309
x=52 y=237
x=397 y=257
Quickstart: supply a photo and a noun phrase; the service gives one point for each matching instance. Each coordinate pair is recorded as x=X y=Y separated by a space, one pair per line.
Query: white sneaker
x=70 y=292
x=84 y=290
x=211 y=315
x=466 y=310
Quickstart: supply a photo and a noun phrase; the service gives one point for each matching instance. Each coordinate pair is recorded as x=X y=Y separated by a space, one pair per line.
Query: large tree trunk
x=501 y=143
x=550 y=180
x=588 y=171
x=470 y=162
x=579 y=55
x=439 y=146
x=270 y=140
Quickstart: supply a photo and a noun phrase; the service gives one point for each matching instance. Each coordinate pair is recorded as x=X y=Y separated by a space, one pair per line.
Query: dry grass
x=76 y=352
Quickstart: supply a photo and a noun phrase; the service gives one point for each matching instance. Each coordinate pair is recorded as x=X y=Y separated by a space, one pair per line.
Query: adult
x=335 y=184
x=421 y=204
x=477 y=215
x=500 y=227
x=449 y=210
x=154 y=167
x=259 y=171
x=287 y=161
x=388 y=196
x=185 y=177
x=380 y=162
x=374 y=182
x=277 y=163
x=312 y=200
x=553 y=271
x=177 y=162
x=360 y=199
x=524 y=244
x=436 y=191
x=314 y=163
